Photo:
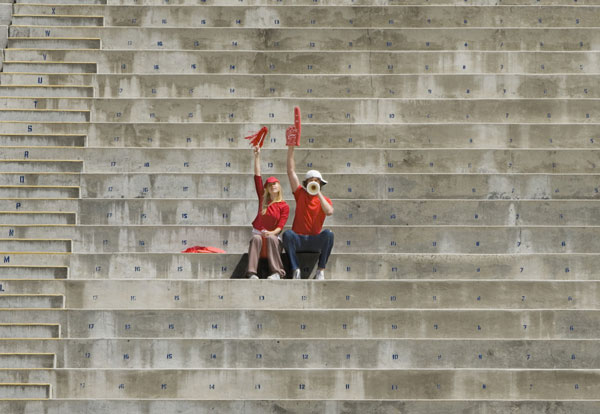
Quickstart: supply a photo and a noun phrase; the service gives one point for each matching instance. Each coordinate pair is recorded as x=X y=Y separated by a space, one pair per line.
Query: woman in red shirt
x=272 y=215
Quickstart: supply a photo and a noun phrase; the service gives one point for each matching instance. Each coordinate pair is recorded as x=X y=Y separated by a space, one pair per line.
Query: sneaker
x=296 y=274
x=253 y=277
x=320 y=275
x=274 y=276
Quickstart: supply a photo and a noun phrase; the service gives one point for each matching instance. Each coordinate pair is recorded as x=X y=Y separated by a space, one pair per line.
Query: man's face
x=315 y=179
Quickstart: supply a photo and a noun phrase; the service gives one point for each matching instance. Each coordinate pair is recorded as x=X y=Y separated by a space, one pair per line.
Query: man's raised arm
x=291 y=169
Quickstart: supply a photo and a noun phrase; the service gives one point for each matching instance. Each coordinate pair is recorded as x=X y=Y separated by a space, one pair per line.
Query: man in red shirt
x=306 y=234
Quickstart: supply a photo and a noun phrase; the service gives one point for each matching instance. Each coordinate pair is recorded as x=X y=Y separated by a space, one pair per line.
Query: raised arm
x=291 y=169
x=256 y=161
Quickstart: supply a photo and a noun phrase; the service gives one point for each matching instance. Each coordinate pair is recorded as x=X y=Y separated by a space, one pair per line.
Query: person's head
x=272 y=193
x=313 y=175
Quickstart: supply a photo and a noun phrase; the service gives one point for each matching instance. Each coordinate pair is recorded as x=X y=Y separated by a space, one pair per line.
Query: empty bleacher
x=460 y=142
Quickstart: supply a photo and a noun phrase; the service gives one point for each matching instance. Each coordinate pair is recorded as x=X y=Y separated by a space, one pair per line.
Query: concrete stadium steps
x=342 y=2
x=145 y=406
x=24 y=165
x=344 y=111
x=330 y=39
x=36 y=2
x=46 y=103
x=25 y=391
x=21 y=272
x=29 y=330
x=46 y=91
x=52 y=19
x=349 y=266
x=31 y=301
x=464 y=162
x=315 y=384
x=50 y=244
x=42 y=140
x=59 y=43
x=465 y=86
x=302 y=62
x=32 y=205
x=348 y=239
x=348 y=186
x=318 y=135
x=39 y=67
x=307 y=353
x=27 y=360
x=328 y=161
x=43 y=115
x=347 y=212
x=346 y=2
x=372 y=295
x=305 y=324
x=69 y=179
x=38 y=217
x=324 y=16
x=19 y=193
x=6 y=8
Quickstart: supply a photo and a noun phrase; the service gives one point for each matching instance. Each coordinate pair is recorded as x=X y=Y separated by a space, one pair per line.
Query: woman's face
x=273 y=189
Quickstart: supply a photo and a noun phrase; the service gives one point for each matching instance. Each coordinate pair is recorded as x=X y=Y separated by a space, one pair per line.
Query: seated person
x=306 y=234
x=272 y=215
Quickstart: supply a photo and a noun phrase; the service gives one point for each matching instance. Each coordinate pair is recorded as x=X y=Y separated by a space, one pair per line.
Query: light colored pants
x=273 y=254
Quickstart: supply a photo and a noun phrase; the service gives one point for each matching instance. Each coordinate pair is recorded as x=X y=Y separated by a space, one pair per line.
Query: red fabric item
x=276 y=215
x=264 y=250
x=309 y=216
x=258 y=139
x=293 y=133
x=203 y=249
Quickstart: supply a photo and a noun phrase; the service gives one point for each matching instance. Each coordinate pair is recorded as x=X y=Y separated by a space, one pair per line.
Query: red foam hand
x=293 y=133
x=291 y=136
x=258 y=139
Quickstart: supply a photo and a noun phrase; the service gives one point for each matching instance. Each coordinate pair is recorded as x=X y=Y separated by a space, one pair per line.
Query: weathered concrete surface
x=373 y=239
x=198 y=294
x=317 y=384
x=422 y=86
x=325 y=16
x=312 y=62
x=308 y=353
x=374 y=39
x=328 y=161
x=344 y=186
x=347 y=212
x=309 y=407
x=320 y=135
x=325 y=324
x=359 y=266
x=460 y=145
x=266 y=110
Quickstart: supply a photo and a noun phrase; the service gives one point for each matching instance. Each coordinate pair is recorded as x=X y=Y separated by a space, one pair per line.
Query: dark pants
x=321 y=243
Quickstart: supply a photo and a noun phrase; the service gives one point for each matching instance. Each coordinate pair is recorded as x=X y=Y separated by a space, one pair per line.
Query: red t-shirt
x=276 y=215
x=309 y=216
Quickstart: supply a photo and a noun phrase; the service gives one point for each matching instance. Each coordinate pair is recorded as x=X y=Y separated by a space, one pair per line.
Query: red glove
x=292 y=133
x=258 y=139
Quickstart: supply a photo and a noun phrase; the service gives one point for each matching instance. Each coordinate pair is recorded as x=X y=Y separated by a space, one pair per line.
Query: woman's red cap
x=271 y=180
